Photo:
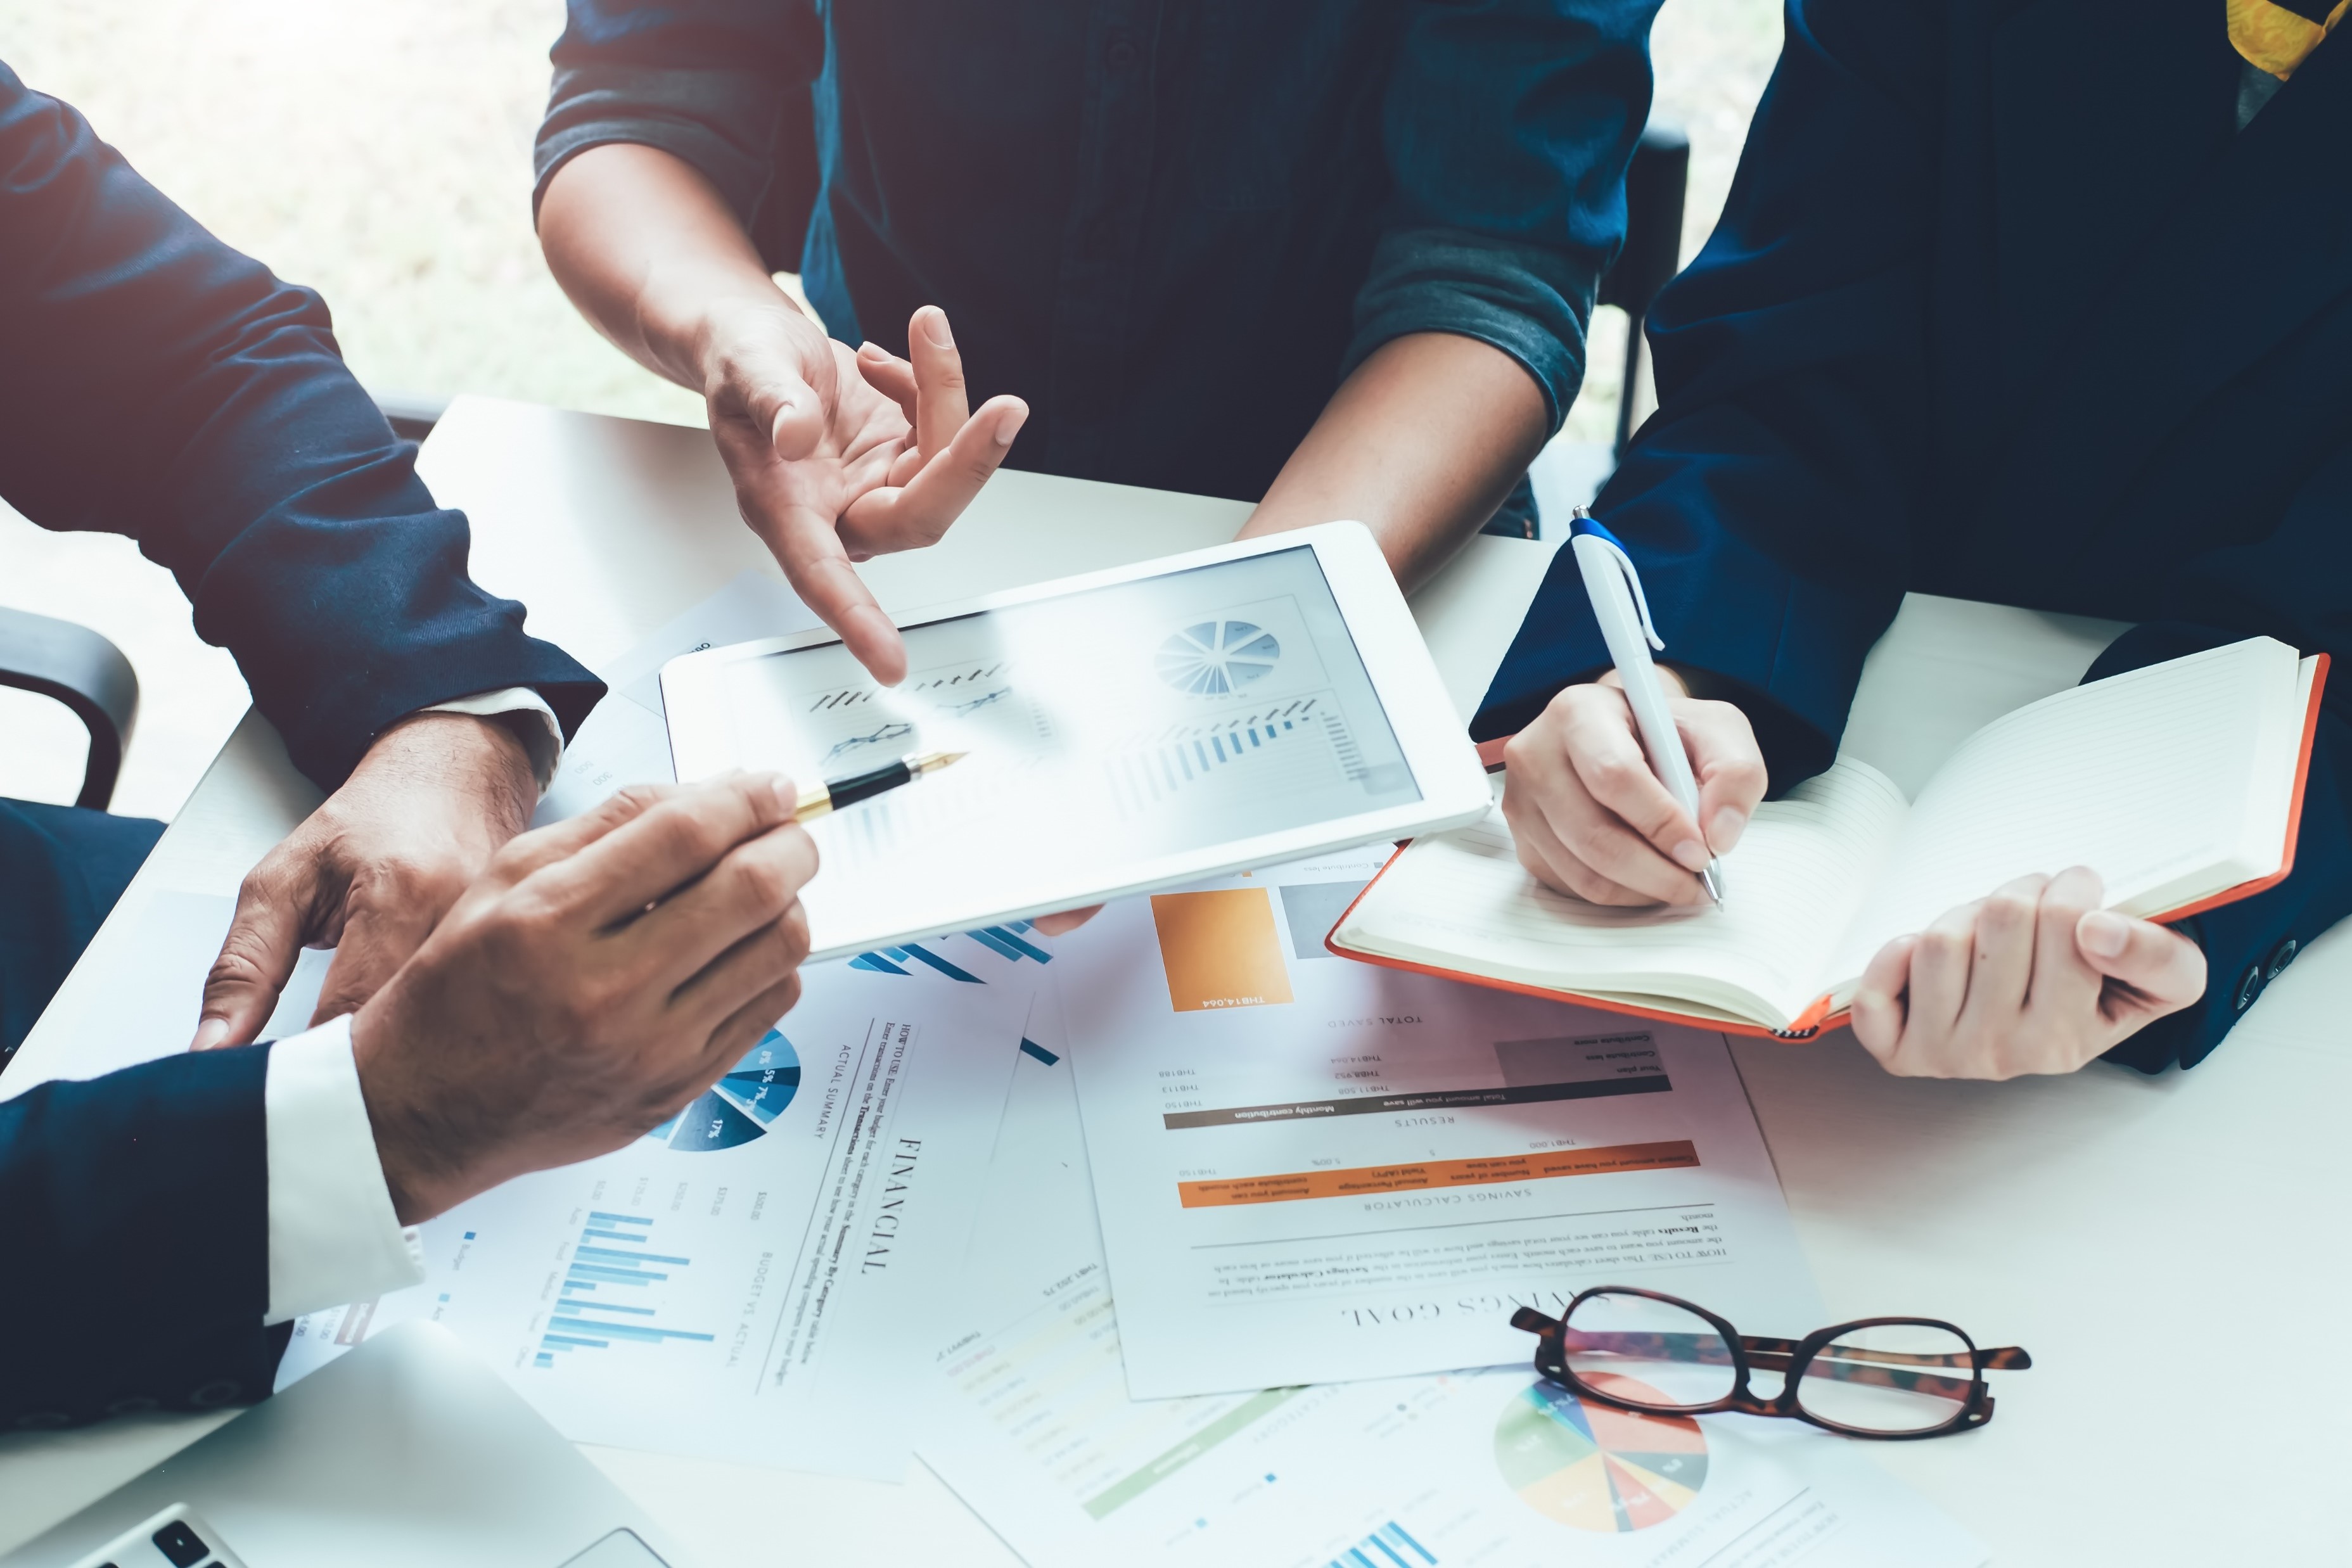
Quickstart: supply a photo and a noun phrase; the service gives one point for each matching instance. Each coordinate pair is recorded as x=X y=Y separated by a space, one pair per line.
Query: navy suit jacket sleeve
x=1765 y=500
x=1774 y=502
x=157 y=383
x=136 y=1230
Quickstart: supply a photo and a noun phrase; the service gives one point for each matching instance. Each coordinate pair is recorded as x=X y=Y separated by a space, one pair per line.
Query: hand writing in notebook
x=2034 y=978
x=1590 y=819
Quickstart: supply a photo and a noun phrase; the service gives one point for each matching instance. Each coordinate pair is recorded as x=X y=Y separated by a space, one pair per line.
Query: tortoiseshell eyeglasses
x=1874 y=1377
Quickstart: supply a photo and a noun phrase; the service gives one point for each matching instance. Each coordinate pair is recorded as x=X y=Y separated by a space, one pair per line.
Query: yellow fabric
x=2276 y=39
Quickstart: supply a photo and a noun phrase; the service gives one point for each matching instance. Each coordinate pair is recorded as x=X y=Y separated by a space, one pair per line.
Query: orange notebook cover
x=1819 y=1017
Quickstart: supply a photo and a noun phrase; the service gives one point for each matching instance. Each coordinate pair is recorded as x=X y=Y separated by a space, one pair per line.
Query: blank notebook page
x=2149 y=777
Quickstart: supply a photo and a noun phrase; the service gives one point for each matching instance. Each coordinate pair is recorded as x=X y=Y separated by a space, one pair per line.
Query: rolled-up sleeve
x=724 y=86
x=1508 y=126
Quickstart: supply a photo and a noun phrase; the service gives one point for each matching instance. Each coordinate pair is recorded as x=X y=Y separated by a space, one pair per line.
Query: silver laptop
x=406 y=1451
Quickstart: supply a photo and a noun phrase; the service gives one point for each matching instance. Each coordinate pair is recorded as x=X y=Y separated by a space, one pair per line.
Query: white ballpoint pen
x=1618 y=603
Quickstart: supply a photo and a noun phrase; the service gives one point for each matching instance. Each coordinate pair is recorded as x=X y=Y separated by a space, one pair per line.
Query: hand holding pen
x=1589 y=797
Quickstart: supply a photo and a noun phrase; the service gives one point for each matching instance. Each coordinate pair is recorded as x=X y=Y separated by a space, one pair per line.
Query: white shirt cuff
x=543 y=740
x=333 y=1237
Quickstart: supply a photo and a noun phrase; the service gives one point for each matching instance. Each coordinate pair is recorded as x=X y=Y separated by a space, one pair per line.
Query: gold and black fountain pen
x=839 y=792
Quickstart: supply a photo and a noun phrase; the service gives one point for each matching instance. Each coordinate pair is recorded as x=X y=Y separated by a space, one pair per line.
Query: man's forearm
x=1422 y=442
x=648 y=250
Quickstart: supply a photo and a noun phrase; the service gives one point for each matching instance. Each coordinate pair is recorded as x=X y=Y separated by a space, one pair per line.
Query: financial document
x=1311 y=1169
x=1032 y=1427
x=747 y=1280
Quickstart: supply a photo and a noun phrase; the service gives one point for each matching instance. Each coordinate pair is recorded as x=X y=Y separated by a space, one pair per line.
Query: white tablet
x=1125 y=731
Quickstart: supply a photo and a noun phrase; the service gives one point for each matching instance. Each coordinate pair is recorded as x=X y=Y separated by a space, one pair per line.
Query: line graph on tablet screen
x=1223 y=731
x=1139 y=721
x=879 y=736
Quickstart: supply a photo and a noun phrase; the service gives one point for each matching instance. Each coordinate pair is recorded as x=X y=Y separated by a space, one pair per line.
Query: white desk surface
x=2170 y=1249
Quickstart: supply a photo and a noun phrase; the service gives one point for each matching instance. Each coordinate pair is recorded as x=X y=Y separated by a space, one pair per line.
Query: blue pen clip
x=1580 y=525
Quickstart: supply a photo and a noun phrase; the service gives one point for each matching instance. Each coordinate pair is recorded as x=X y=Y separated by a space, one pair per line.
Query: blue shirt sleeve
x=1508 y=126
x=724 y=85
x=162 y=385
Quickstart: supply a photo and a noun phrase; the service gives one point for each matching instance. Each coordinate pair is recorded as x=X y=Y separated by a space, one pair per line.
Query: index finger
x=891 y=376
x=816 y=562
x=1616 y=774
x=662 y=849
x=377 y=940
x=2065 y=988
x=264 y=942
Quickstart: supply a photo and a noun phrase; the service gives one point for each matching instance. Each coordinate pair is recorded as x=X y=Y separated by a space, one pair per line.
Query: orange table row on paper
x=1368 y=1180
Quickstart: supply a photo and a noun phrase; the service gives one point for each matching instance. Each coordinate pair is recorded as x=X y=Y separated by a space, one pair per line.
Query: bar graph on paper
x=1013 y=943
x=614 y=1294
x=1390 y=1546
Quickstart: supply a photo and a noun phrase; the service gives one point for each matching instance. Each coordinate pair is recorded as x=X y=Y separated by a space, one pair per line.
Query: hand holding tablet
x=1128 y=730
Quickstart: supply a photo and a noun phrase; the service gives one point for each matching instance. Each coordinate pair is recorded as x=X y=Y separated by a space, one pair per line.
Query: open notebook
x=2181 y=784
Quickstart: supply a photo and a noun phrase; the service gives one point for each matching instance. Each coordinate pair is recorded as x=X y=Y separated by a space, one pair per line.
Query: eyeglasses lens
x=1895 y=1377
x=1647 y=1352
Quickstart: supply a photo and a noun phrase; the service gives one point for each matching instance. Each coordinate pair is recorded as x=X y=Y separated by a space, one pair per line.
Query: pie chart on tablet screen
x=1598 y=1468
x=739 y=1106
x=1218 y=658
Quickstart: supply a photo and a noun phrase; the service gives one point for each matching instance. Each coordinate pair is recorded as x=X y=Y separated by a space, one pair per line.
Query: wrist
x=417 y=1174
x=478 y=755
x=727 y=312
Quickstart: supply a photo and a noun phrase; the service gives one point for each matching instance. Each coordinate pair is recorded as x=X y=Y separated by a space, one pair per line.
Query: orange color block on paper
x=1371 y=1181
x=1220 y=949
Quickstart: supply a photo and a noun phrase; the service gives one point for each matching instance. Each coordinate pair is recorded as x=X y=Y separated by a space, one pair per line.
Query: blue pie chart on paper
x=739 y=1107
x=1216 y=658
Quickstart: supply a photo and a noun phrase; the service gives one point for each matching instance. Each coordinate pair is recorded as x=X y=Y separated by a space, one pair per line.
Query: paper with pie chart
x=1105 y=730
x=741 y=1281
x=1029 y=1422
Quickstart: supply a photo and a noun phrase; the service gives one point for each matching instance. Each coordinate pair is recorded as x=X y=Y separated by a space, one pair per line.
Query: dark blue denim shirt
x=1172 y=225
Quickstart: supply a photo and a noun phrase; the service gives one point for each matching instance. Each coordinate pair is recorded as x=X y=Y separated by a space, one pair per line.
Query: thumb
x=265 y=939
x=779 y=373
x=1065 y=921
x=2164 y=966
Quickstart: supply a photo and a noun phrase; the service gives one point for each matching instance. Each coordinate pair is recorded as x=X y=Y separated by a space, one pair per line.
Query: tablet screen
x=1125 y=723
